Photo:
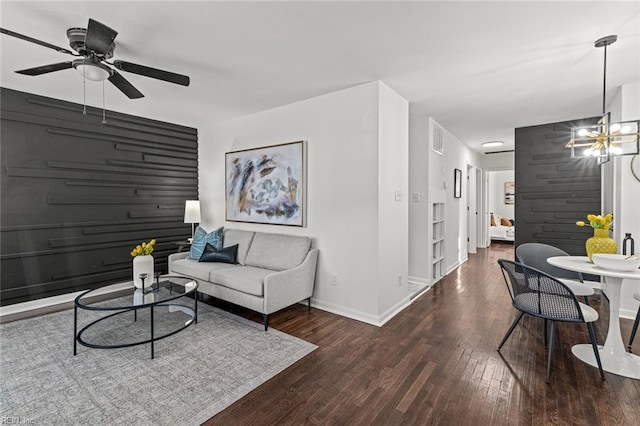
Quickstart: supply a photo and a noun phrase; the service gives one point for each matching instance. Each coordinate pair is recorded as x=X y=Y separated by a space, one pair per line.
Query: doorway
x=500 y=191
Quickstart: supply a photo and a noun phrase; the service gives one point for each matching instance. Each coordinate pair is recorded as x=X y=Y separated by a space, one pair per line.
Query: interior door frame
x=472 y=209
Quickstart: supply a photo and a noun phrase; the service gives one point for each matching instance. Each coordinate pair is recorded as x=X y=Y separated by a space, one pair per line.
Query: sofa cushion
x=246 y=279
x=277 y=251
x=195 y=269
x=242 y=239
x=224 y=255
x=201 y=238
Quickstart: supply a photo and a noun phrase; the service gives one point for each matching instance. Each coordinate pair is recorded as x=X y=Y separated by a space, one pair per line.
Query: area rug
x=196 y=373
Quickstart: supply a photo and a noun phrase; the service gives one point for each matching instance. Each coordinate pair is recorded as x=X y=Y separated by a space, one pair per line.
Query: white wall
x=357 y=149
x=419 y=223
x=621 y=191
x=501 y=161
x=457 y=155
x=393 y=206
x=429 y=173
x=495 y=188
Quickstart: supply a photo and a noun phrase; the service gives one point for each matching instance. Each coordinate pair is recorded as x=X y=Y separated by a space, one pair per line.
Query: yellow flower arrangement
x=598 y=222
x=143 y=249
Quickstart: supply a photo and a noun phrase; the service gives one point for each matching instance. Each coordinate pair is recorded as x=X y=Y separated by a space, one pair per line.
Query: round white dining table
x=615 y=359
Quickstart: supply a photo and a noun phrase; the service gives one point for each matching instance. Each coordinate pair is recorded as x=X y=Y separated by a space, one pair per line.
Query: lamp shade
x=192 y=211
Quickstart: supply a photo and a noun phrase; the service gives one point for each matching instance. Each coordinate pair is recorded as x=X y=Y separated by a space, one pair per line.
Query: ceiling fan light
x=92 y=69
x=492 y=144
x=92 y=73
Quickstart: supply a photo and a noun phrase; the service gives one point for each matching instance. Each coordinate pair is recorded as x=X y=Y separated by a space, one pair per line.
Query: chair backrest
x=536 y=255
x=539 y=294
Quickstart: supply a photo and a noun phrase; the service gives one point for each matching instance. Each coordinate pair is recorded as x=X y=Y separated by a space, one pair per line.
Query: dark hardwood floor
x=436 y=363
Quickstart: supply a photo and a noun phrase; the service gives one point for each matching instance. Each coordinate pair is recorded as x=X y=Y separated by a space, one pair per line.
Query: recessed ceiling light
x=491 y=144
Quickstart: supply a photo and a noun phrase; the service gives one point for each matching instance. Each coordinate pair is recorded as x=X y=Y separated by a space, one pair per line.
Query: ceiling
x=480 y=69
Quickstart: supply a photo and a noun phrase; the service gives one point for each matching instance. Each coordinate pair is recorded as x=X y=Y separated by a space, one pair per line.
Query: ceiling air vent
x=437 y=139
x=499 y=152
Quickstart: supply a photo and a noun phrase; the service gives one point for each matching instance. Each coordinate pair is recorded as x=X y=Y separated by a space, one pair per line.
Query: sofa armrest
x=176 y=256
x=285 y=288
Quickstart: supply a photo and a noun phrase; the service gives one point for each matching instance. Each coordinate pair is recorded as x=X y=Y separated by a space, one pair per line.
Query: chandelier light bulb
x=587 y=152
x=625 y=129
x=616 y=150
x=582 y=132
x=615 y=127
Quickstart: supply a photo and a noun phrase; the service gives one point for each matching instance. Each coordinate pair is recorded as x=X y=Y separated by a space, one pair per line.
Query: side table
x=182 y=245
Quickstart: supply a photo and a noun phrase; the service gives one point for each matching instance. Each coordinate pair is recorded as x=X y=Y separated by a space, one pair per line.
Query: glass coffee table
x=138 y=317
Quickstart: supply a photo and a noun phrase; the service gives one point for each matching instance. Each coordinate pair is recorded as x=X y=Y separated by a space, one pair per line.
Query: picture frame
x=509 y=192
x=266 y=185
x=457 y=183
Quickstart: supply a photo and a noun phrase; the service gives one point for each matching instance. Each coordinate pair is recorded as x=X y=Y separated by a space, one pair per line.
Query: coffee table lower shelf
x=119 y=330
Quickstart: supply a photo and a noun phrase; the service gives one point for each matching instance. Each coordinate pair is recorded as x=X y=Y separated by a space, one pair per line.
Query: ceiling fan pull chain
x=84 y=93
x=104 y=117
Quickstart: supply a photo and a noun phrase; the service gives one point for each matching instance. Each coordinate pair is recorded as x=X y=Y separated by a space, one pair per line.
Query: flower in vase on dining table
x=598 y=222
x=600 y=242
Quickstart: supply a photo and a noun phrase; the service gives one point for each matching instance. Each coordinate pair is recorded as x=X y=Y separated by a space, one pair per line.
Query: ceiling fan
x=93 y=47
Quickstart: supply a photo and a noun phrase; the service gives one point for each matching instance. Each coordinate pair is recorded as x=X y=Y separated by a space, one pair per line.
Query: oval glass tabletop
x=167 y=288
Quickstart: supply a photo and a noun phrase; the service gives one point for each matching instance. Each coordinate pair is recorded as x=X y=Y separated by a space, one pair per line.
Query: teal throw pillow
x=201 y=238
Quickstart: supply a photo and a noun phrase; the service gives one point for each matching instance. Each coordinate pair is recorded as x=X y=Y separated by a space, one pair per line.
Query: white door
x=471 y=210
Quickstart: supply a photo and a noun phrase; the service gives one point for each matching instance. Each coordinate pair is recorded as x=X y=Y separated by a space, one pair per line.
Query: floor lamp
x=192 y=214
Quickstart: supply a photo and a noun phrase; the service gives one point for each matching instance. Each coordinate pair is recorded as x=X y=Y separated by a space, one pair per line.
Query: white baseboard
x=455 y=265
x=420 y=292
x=394 y=310
x=628 y=314
x=378 y=321
x=415 y=283
x=50 y=304
x=345 y=312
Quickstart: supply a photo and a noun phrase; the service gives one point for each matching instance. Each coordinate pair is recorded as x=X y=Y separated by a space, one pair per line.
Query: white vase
x=143 y=265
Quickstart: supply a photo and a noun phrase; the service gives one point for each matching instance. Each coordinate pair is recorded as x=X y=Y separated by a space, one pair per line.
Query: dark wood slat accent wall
x=78 y=195
x=553 y=190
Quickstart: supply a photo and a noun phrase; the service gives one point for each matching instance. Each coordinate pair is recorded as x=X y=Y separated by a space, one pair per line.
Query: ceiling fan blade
x=152 y=72
x=125 y=87
x=99 y=37
x=46 y=68
x=36 y=41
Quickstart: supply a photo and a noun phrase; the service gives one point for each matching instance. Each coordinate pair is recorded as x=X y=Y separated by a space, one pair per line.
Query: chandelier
x=605 y=139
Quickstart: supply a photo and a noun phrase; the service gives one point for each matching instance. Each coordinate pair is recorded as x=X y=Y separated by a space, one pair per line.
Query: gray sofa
x=273 y=271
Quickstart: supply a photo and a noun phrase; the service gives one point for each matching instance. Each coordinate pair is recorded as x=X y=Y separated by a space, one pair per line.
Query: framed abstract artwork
x=509 y=192
x=266 y=185
x=457 y=183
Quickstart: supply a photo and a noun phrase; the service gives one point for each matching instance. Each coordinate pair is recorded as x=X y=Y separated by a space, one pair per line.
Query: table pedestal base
x=625 y=364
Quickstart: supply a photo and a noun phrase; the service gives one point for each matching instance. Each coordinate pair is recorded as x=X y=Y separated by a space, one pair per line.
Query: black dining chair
x=635 y=323
x=536 y=255
x=539 y=294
